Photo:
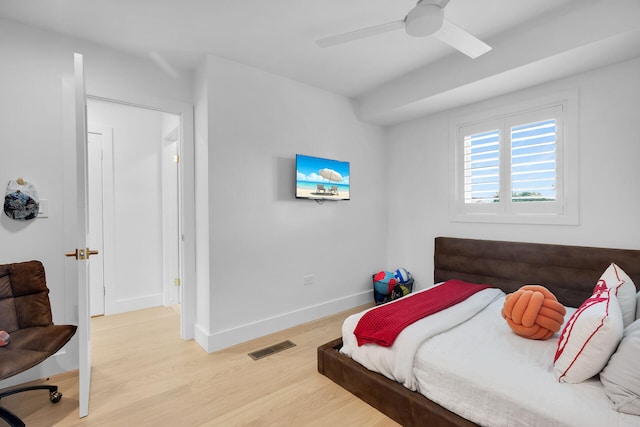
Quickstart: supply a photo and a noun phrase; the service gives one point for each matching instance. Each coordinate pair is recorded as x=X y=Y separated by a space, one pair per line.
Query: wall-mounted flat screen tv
x=318 y=178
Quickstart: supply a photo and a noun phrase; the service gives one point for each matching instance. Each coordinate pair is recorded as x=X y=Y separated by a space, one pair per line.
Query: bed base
x=570 y=272
x=402 y=405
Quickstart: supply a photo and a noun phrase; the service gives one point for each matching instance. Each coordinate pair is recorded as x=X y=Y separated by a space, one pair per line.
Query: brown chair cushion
x=30 y=346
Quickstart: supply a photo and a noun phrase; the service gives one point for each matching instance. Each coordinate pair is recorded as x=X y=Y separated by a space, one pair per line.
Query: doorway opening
x=134 y=210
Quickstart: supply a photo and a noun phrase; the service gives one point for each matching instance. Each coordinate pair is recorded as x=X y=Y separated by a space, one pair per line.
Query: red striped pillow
x=589 y=338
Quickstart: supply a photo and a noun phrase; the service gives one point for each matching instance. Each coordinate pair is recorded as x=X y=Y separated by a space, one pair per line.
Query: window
x=517 y=167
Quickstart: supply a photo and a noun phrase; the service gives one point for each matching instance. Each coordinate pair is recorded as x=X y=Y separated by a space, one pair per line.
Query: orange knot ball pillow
x=533 y=312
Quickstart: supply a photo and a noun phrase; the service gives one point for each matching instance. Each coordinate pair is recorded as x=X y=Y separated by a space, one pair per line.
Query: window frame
x=564 y=210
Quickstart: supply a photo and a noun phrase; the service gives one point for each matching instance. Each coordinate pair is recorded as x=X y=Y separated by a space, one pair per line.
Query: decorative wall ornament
x=21 y=200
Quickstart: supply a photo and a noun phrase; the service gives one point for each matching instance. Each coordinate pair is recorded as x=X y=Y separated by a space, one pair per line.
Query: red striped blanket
x=383 y=324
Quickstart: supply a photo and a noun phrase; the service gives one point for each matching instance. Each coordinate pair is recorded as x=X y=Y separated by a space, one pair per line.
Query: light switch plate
x=43 y=209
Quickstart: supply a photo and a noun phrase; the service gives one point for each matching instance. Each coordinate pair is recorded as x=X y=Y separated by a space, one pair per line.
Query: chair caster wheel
x=55 y=396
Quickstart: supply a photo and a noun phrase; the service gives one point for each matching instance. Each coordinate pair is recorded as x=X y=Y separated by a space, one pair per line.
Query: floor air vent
x=272 y=349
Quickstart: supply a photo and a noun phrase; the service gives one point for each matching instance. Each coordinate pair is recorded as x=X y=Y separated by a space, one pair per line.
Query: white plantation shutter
x=533 y=162
x=482 y=167
x=512 y=167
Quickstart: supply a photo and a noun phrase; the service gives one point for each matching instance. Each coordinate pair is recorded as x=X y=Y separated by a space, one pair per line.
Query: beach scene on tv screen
x=319 y=178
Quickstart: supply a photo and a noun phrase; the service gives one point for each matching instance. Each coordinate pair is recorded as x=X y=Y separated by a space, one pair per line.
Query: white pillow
x=624 y=288
x=621 y=376
x=638 y=306
x=589 y=338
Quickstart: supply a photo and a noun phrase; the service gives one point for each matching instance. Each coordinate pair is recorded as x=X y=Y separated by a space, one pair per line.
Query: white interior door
x=82 y=252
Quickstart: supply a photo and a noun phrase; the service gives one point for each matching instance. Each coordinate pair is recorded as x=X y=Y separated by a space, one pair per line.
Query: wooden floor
x=145 y=375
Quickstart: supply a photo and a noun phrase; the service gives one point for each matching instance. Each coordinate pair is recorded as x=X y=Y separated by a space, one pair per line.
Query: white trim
x=138 y=303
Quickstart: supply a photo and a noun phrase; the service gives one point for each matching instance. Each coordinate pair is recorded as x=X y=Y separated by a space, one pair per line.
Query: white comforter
x=396 y=362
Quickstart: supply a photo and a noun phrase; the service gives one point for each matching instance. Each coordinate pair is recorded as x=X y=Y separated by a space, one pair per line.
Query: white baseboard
x=227 y=338
x=201 y=336
x=132 y=304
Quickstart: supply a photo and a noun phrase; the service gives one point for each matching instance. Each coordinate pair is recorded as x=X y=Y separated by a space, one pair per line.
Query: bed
x=570 y=272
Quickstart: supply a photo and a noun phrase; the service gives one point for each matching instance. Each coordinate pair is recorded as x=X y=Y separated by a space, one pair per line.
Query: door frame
x=102 y=203
x=186 y=193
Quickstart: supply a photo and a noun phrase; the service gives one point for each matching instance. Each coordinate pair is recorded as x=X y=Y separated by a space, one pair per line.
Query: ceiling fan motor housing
x=424 y=20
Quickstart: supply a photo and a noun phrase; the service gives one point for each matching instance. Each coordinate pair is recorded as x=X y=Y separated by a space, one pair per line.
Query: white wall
x=262 y=240
x=259 y=241
x=33 y=64
x=31 y=147
x=418 y=152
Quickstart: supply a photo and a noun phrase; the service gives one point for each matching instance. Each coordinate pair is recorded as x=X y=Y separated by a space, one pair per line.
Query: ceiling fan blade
x=461 y=40
x=359 y=34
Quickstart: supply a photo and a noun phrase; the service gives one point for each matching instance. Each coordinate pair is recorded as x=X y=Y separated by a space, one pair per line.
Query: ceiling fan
x=425 y=19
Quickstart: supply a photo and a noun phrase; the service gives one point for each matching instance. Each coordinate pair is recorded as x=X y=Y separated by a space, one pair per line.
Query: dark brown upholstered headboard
x=570 y=272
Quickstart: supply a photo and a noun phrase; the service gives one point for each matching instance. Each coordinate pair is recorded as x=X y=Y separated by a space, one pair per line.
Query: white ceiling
x=274 y=35
x=278 y=35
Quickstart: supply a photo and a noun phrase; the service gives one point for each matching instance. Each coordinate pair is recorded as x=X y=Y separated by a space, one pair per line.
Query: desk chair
x=25 y=313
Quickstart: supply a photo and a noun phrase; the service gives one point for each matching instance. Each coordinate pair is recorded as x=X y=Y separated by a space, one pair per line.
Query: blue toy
x=403 y=276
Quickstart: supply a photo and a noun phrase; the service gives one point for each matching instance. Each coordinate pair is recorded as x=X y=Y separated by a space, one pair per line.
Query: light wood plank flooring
x=145 y=375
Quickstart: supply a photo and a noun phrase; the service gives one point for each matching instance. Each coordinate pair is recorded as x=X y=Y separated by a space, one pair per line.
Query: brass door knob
x=81 y=253
x=72 y=254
